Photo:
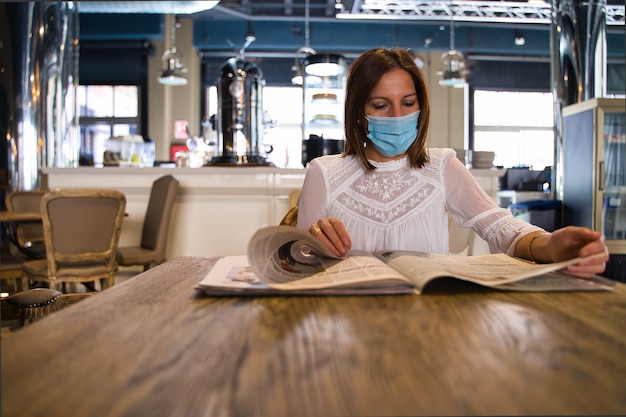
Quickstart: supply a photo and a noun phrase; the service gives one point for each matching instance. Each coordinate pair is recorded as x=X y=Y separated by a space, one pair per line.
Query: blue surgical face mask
x=392 y=136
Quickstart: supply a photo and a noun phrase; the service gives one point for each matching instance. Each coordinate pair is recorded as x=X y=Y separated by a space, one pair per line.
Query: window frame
x=511 y=128
x=110 y=121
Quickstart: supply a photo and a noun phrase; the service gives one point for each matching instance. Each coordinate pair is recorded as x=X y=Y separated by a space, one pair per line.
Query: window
x=517 y=126
x=284 y=106
x=105 y=111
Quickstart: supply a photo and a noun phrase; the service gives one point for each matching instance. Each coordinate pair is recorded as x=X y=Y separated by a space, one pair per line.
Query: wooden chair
x=151 y=250
x=291 y=217
x=27 y=236
x=294 y=197
x=461 y=239
x=81 y=229
x=11 y=273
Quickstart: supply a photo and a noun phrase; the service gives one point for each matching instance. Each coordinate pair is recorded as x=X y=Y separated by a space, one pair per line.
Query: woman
x=387 y=191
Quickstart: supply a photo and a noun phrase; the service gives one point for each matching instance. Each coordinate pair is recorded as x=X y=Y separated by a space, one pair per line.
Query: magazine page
x=495 y=270
x=360 y=270
x=288 y=258
x=559 y=281
x=232 y=275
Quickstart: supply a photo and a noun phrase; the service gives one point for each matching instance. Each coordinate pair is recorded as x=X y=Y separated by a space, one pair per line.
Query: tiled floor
x=126 y=273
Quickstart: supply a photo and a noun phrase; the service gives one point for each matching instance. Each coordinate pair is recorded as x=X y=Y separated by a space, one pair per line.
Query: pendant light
x=326 y=65
x=172 y=68
x=454 y=72
x=298 y=77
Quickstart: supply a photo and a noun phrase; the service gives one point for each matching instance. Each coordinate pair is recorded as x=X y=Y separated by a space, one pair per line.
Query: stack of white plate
x=482 y=159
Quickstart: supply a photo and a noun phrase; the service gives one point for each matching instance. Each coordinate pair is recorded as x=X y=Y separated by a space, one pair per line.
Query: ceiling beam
x=463 y=11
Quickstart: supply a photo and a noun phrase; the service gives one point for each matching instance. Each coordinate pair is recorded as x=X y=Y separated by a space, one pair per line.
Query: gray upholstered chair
x=28 y=236
x=151 y=250
x=81 y=229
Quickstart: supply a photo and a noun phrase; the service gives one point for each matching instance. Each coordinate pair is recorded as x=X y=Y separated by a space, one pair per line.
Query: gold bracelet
x=530 y=245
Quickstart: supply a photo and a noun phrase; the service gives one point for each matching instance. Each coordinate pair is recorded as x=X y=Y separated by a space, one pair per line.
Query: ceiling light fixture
x=147 y=7
x=519 y=38
x=172 y=67
x=325 y=65
x=454 y=72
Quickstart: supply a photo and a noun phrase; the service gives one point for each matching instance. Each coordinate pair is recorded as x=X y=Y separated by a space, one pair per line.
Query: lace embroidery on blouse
x=391 y=194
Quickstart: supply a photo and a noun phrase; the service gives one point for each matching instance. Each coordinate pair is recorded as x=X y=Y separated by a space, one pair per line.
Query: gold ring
x=315 y=229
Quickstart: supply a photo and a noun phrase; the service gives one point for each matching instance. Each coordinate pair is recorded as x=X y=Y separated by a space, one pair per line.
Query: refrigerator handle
x=601 y=176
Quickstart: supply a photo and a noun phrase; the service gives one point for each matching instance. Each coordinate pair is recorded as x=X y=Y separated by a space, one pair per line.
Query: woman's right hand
x=333 y=234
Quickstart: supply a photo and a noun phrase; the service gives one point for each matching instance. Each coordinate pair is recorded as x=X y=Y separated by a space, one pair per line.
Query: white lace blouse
x=396 y=207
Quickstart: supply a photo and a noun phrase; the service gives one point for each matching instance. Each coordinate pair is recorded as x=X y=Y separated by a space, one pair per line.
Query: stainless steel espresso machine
x=239 y=121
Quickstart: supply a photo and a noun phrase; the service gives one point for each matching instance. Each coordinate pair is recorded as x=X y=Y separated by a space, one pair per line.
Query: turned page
x=289 y=258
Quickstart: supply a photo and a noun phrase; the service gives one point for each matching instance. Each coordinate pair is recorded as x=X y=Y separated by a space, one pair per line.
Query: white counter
x=217 y=209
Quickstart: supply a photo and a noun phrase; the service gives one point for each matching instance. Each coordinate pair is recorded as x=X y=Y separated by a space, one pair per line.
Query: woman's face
x=393 y=96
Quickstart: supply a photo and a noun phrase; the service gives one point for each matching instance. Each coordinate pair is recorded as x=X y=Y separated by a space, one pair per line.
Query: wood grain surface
x=154 y=346
x=16 y=216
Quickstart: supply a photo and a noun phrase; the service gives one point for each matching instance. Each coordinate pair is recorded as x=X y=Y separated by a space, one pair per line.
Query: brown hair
x=363 y=75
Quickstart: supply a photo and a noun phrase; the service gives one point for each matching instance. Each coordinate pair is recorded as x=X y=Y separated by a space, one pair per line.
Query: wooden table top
x=17 y=216
x=154 y=346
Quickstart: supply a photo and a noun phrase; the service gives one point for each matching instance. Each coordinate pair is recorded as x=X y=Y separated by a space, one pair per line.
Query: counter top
x=234 y=170
x=494 y=172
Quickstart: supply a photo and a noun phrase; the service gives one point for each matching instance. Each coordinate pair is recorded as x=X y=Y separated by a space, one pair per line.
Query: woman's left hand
x=571 y=242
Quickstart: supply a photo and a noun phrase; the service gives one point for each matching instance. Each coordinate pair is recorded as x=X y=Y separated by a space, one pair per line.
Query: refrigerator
x=594 y=173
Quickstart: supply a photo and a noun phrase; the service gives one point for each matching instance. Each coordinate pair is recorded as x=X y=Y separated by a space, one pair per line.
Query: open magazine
x=287 y=260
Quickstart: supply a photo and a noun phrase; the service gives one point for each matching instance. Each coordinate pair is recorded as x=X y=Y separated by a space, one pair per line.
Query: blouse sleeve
x=312 y=203
x=470 y=206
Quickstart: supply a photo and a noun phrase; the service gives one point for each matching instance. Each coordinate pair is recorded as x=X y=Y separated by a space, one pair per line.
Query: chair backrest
x=290 y=218
x=158 y=214
x=461 y=239
x=26 y=202
x=82 y=226
x=294 y=197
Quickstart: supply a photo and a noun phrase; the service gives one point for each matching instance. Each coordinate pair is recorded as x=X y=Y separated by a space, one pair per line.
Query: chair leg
x=107 y=282
x=22 y=283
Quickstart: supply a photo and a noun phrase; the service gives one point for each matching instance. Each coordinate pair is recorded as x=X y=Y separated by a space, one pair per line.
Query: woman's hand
x=333 y=234
x=572 y=241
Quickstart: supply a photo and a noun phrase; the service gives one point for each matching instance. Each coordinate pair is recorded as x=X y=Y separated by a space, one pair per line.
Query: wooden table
x=12 y=219
x=9 y=216
x=153 y=346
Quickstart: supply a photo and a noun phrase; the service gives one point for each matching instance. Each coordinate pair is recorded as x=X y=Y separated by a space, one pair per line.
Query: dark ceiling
x=475 y=11
x=349 y=27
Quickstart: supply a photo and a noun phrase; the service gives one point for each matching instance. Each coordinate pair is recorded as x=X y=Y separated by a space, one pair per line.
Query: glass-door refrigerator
x=594 y=173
